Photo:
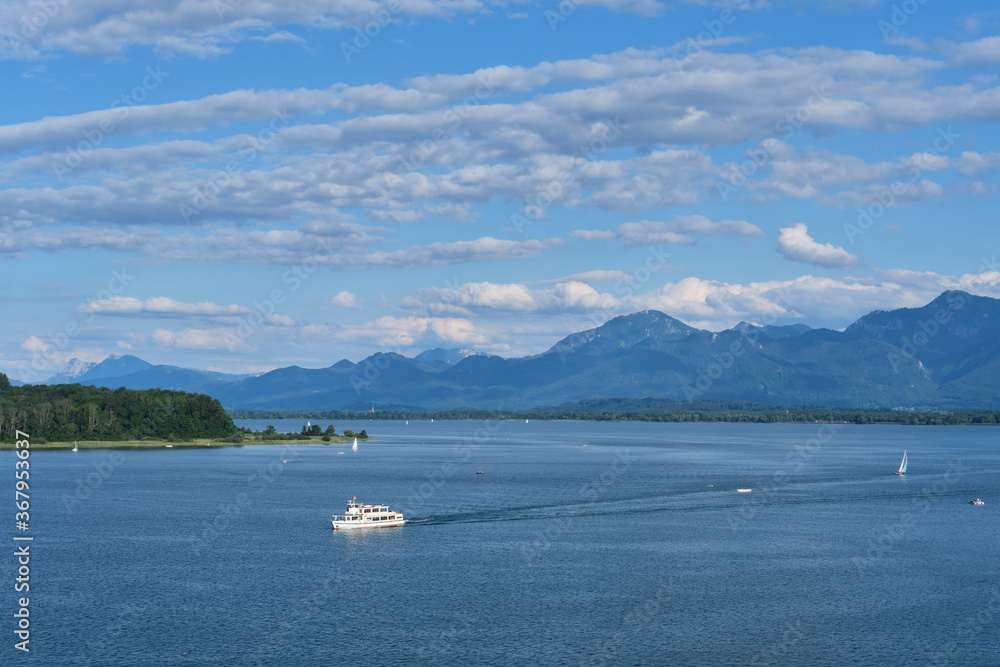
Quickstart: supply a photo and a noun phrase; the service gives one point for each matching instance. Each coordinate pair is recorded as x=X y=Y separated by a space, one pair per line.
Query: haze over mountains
x=943 y=355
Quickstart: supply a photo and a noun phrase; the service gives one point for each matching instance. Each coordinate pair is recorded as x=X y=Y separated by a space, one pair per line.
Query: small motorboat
x=976 y=501
x=168 y=446
x=743 y=490
x=479 y=472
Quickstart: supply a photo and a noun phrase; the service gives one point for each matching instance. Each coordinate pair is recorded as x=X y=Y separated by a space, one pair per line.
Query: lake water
x=634 y=550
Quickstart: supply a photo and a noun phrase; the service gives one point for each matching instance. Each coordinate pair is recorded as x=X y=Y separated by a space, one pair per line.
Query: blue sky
x=241 y=186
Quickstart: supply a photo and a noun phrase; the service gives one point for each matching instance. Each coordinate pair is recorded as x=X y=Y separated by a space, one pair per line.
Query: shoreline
x=197 y=443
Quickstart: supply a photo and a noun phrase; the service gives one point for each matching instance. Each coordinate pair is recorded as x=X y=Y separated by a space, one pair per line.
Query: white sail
x=355 y=445
x=902 y=465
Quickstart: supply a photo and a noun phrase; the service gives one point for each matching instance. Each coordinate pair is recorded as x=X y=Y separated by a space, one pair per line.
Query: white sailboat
x=355 y=445
x=902 y=466
x=75 y=447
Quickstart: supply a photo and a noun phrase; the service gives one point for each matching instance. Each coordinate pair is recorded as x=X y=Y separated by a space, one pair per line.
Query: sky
x=240 y=186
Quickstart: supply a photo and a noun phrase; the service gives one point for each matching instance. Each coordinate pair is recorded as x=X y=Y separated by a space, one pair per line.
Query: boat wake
x=672 y=503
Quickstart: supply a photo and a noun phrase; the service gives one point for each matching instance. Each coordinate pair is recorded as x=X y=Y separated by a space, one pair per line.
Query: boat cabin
x=357 y=512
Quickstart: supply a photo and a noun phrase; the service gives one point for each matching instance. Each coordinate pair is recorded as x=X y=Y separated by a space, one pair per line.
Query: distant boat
x=976 y=501
x=75 y=447
x=340 y=452
x=168 y=446
x=308 y=424
x=902 y=466
x=744 y=490
x=525 y=421
x=479 y=472
x=407 y=422
x=355 y=445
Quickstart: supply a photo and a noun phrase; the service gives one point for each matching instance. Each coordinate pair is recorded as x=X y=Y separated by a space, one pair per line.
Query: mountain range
x=944 y=355
x=134 y=373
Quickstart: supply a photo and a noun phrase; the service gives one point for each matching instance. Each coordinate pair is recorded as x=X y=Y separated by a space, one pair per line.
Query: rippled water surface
x=634 y=550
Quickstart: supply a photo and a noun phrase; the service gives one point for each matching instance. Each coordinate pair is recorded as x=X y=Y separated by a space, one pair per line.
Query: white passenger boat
x=366 y=516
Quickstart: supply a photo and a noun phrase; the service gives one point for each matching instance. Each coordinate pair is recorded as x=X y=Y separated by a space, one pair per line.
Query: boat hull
x=356 y=525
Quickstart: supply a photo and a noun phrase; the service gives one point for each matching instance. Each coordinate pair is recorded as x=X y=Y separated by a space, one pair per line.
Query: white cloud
x=34 y=344
x=971 y=163
x=396 y=216
x=201 y=339
x=345 y=300
x=592 y=234
x=717 y=305
x=406 y=331
x=595 y=276
x=281 y=36
x=649 y=232
x=204 y=30
x=984 y=51
x=795 y=244
x=572 y=295
x=161 y=306
x=434 y=254
x=275 y=109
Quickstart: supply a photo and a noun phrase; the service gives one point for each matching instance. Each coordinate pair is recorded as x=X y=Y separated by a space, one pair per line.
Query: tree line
x=68 y=412
x=662 y=411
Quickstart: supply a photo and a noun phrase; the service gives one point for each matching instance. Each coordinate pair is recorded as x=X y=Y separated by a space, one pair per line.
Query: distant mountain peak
x=625 y=331
x=71 y=370
x=451 y=355
x=113 y=366
x=775 y=332
x=75 y=367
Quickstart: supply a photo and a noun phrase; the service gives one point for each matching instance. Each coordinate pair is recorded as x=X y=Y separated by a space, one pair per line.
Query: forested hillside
x=73 y=412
